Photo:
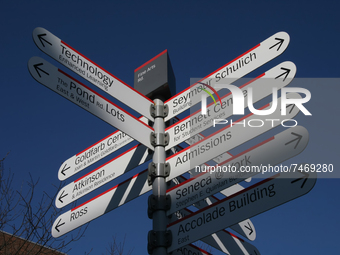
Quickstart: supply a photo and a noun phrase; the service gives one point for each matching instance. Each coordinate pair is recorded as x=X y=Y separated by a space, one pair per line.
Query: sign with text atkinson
x=98 y=177
x=81 y=65
x=94 y=153
x=234 y=70
x=78 y=93
x=247 y=203
x=211 y=180
x=263 y=84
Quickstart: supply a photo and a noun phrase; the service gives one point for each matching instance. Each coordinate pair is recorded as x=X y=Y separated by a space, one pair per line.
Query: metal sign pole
x=158 y=238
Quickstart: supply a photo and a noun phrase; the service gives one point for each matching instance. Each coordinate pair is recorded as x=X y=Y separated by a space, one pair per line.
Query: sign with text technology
x=263 y=84
x=234 y=70
x=253 y=200
x=271 y=151
x=81 y=65
x=88 y=99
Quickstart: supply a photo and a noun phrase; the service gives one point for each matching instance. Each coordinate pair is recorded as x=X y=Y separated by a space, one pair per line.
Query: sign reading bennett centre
x=81 y=65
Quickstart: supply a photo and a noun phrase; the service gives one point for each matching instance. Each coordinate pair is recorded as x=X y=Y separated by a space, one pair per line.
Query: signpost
x=81 y=65
x=263 y=84
x=229 y=73
x=253 y=200
x=91 y=101
x=156 y=79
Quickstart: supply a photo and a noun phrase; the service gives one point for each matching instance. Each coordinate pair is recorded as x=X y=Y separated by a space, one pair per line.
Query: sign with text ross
x=87 y=69
x=253 y=200
x=232 y=71
x=88 y=99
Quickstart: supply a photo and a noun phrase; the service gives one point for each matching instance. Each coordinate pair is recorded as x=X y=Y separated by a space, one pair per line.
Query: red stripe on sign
x=135 y=176
x=107 y=163
x=191 y=115
x=233 y=235
x=107 y=100
x=214 y=72
x=219 y=131
x=160 y=54
x=197 y=248
x=97 y=143
x=106 y=71
x=225 y=199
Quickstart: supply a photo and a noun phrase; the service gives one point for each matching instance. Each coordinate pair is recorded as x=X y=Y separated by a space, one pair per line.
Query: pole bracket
x=159 y=139
x=159 y=239
x=159 y=110
x=156 y=203
x=157 y=170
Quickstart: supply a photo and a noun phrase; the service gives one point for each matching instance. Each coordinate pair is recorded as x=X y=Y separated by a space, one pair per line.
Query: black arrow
x=43 y=39
x=64 y=169
x=305 y=177
x=280 y=43
x=37 y=68
x=56 y=227
x=299 y=137
x=250 y=228
x=293 y=105
x=287 y=71
x=61 y=196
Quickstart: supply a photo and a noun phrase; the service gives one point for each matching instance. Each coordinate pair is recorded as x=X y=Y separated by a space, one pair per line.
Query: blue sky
x=42 y=129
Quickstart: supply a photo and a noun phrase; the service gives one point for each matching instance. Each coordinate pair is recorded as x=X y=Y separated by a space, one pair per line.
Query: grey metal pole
x=159 y=239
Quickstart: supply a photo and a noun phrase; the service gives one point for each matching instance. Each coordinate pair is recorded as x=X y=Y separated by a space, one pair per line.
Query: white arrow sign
x=253 y=200
x=224 y=240
x=94 y=153
x=234 y=70
x=88 y=99
x=190 y=249
x=102 y=175
x=269 y=152
x=226 y=139
x=81 y=65
x=138 y=185
x=278 y=77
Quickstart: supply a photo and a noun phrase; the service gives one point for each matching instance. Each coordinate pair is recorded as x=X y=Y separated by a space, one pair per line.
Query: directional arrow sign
x=94 y=153
x=239 y=228
x=81 y=65
x=262 y=87
x=269 y=152
x=234 y=70
x=253 y=200
x=190 y=249
x=225 y=139
x=138 y=184
x=102 y=175
x=224 y=240
x=81 y=95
